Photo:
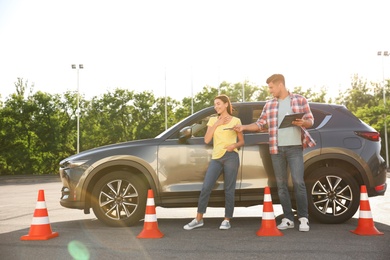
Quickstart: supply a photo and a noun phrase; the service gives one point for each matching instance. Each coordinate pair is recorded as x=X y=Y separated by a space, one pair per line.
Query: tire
x=119 y=199
x=333 y=195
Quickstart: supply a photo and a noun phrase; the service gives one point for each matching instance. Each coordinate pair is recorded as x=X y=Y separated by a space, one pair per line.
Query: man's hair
x=275 y=78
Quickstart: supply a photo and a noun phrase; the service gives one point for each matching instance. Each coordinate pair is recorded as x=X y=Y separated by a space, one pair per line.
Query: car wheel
x=119 y=199
x=333 y=195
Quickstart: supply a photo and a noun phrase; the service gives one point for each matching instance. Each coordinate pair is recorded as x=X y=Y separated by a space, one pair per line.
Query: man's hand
x=238 y=128
x=301 y=123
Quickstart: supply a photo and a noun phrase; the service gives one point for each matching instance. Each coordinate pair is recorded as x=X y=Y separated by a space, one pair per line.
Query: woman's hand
x=223 y=120
x=230 y=148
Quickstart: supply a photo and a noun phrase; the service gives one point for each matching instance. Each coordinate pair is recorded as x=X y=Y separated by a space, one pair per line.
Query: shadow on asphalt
x=241 y=227
x=241 y=241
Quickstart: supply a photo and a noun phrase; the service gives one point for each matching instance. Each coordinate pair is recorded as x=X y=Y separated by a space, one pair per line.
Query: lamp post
x=165 y=107
x=383 y=54
x=81 y=66
x=192 y=93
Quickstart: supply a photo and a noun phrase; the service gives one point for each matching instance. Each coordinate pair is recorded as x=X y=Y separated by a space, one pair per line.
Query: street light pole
x=192 y=92
x=165 y=108
x=385 y=53
x=81 y=66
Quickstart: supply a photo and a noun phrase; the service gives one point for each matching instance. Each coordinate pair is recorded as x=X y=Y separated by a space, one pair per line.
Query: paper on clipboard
x=288 y=119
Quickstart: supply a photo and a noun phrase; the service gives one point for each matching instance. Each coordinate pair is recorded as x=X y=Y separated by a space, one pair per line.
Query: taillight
x=372 y=136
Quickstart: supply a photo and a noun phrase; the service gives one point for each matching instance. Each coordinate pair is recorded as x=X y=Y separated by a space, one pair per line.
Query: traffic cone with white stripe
x=150 y=222
x=40 y=227
x=268 y=223
x=366 y=225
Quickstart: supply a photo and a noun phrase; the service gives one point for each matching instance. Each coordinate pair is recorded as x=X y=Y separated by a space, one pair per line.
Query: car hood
x=112 y=148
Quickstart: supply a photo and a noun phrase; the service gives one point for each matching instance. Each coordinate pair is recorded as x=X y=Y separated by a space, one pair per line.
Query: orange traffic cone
x=40 y=227
x=268 y=224
x=366 y=225
x=150 y=222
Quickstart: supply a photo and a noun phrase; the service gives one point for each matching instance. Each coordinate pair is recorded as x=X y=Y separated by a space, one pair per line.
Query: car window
x=318 y=117
x=199 y=128
x=256 y=114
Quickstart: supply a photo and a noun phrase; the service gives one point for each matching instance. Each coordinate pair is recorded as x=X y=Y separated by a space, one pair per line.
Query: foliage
x=313 y=96
x=366 y=101
x=38 y=130
x=34 y=132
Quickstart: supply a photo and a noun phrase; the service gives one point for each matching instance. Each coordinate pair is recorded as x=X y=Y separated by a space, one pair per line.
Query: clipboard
x=288 y=119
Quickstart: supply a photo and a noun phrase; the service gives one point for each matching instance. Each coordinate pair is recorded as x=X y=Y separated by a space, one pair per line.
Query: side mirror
x=185 y=133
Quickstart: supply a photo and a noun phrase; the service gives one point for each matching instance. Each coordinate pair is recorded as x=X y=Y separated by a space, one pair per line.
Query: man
x=286 y=146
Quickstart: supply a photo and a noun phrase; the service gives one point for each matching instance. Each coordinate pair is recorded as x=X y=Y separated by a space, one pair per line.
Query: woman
x=224 y=158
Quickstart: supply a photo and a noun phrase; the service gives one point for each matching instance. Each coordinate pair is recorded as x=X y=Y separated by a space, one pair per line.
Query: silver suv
x=113 y=180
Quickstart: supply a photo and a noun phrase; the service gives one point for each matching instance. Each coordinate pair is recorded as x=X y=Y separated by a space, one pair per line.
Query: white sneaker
x=304 y=226
x=225 y=225
x=193 y=224
x=285 y=224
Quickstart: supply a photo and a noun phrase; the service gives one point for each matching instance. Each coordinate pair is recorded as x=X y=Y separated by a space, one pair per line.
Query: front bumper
x=70 y=196
x=67 y=202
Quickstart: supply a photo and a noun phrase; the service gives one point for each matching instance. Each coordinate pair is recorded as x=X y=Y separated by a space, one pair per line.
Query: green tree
x=358 y=95
x=205 y=98
x=37 y=130
x=18 y=137
x=34 y=132
x=149 y=115
x=312 y=96
x=366 y=102
x=107 y=120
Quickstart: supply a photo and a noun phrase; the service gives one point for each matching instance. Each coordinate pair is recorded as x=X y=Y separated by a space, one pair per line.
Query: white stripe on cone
x=150 y=202
x=363 y=196
x=40 y=220
x=41 y=205
x=267 y=198
x=365 y=214
x=150 y=218
x=268 y=216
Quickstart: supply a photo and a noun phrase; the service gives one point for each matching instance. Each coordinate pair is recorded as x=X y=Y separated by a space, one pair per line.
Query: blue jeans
x=293 y=156
x=229 y=163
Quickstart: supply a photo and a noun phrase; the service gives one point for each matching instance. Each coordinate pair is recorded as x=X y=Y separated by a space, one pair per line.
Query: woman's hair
x=225 y=99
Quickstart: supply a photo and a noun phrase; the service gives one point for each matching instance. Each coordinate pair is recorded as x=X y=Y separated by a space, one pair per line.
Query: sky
x=176 y=47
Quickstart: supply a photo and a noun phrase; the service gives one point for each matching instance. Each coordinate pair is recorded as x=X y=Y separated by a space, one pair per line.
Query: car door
x=182 y=165
x=257 y=170
x=256 y=166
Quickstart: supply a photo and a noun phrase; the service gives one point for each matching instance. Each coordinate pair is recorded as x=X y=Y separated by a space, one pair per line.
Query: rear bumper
x=381 y=189
x=380 y=186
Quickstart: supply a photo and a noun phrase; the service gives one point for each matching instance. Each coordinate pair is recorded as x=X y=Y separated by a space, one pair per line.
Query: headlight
x=73 y=164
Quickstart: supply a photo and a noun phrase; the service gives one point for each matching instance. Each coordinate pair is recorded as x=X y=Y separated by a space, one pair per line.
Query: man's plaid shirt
x=269 y=118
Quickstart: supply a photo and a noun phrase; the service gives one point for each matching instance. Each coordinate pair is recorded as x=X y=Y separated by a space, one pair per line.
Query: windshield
x=166 y=131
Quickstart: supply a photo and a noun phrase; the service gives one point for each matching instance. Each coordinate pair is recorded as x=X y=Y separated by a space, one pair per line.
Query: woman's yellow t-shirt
x=223 y=138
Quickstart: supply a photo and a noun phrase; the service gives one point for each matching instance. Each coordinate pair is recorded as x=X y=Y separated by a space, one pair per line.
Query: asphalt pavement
x=84 y=237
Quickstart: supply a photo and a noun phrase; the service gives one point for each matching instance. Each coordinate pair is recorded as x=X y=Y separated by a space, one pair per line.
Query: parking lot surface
x=84 y=236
